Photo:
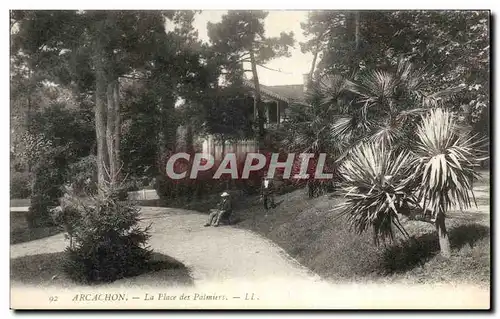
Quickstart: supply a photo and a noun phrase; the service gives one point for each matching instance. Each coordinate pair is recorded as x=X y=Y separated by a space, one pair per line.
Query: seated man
x=224 y=207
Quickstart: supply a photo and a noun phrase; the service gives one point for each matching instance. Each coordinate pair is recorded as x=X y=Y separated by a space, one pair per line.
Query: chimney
x=305 y=80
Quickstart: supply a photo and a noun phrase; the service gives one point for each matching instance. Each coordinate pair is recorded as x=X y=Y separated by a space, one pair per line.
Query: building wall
x=240 y=148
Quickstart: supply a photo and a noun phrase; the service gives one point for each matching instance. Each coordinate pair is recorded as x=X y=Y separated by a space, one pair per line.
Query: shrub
x=130 y=186
x=82 y=175
x=108 y=244
x=171 y=189
x=65 y=218
x=19 y=185
x=47 y=182
x=56 y=137
x=135 y=183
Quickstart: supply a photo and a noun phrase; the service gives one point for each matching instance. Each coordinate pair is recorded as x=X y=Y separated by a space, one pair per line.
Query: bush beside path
x=235 y=260
x=211 y=254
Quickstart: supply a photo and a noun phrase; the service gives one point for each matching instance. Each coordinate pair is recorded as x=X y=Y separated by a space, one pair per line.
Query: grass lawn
x=46 y=270
x=20 y=233
x=311 y=233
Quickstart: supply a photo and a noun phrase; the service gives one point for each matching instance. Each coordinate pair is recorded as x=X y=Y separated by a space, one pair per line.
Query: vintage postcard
x=259 y=159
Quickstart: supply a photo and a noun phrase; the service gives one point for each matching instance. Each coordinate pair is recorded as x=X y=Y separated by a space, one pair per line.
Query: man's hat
x=224 y=194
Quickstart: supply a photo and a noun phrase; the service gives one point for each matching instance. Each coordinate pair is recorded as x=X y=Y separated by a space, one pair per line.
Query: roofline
x=264 y=90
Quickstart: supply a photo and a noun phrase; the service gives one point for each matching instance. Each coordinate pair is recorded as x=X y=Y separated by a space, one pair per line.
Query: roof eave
x=267 y=92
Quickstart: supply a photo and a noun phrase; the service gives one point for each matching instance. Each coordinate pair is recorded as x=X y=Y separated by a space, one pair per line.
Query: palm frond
x=439 y=98
x=412 y=78
x=376 y=88
x=387 y=135
x=448 y=160
x=375 y=189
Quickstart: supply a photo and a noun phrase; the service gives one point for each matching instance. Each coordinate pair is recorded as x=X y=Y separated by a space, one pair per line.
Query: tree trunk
x=189 y=139
x=167 y=130
x=113 y=131
x=353 y=34
x=356 y=30
x=444 y=241
x=315 y=56
x=100 y=120
x=223 y=148
x=27 y=115
x=311 y=72
x=223 y=153
x=110 y=133
x=258 y=102
x=170 y=123
x=160 y=142
x=118 y=123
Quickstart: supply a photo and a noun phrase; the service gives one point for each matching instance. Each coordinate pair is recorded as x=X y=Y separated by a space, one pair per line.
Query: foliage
x=229 y=114
x=455 y=44
x=141 y=124
x=90 y=51
x=48 y=178
x=49 y=149
x=382 y=106
x=314 y=128
x=239 y=39
x=31 y=148
x=75 y=138
x=380 y=183
x=108 y=242
x=46 y=134
x=376 y=189
x=82 y=176
x=19 y=185
x=448 y=157
x=242 y=32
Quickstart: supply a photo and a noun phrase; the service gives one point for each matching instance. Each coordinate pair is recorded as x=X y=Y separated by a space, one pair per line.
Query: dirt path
x=212 y=254
x=237 y=262
x=222 y=253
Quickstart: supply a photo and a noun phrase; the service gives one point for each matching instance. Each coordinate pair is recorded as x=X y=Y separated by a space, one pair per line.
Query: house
x=276 y=100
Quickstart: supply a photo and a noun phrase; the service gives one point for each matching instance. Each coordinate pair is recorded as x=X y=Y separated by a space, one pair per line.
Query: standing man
x=268 y=192
x=312 y=186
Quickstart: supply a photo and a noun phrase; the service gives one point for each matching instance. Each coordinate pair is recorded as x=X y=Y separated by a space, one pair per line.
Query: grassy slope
x=311 y=234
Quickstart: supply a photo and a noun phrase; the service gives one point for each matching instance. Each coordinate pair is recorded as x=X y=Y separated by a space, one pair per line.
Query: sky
x=276 y=22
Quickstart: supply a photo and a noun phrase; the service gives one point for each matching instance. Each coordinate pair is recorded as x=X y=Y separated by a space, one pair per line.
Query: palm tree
x=381 y=183
x=446 y=163
x=321 y=124
x=392 y=102
x=376 y=189
x=380 y=106
x=312 y=127
x=370 y=124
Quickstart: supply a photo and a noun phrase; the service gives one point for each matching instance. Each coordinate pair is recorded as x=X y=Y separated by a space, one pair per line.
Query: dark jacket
x=225 y=205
